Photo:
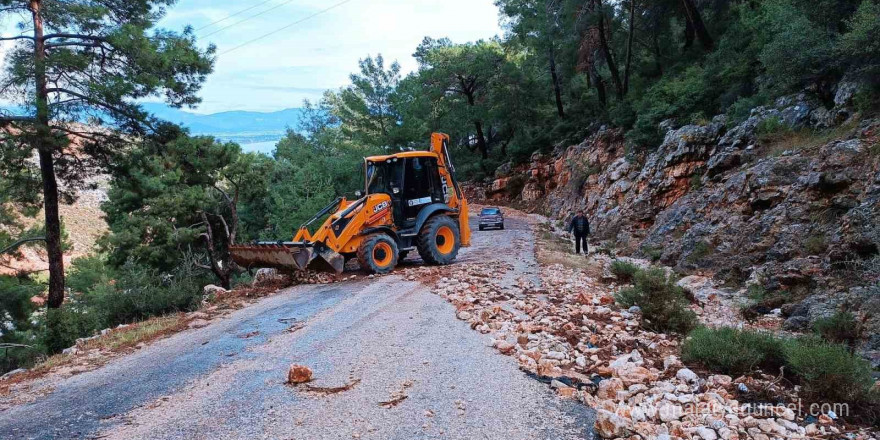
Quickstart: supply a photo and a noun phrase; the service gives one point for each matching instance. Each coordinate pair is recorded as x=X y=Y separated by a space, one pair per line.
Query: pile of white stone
x=571 y=334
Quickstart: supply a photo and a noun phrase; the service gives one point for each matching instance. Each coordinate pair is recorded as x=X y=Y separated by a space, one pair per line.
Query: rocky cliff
x=787 y=202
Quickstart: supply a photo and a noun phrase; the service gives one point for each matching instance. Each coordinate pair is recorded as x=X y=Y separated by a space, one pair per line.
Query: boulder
x=265 y=276
x=608 y=388
x=211 y=289
x=610 y=425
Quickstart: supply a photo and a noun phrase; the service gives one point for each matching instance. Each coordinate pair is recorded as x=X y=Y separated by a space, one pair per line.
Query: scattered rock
x=610 y=425
x=211 y=289
x=299 y=374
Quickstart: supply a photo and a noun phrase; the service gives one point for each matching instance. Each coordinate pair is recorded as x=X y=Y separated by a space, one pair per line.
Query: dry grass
x=114 y=342
x=781 y=141
x=144 y=331
x=552 y=249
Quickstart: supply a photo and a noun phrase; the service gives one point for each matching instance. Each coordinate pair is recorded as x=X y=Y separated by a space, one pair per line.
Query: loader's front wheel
x=439 y=240
x=378 y=253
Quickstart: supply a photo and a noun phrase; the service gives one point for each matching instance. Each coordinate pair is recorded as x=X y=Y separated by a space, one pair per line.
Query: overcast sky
x=303 y=60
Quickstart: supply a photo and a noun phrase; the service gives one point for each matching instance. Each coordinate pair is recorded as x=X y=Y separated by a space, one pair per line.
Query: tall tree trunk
x=560 y=110
x=696 y=21
x=45 y=149
x=629 y=45
x=482 y=145
x=657 y=54
x=606 y=50
x=600 y=87
x=481 y=139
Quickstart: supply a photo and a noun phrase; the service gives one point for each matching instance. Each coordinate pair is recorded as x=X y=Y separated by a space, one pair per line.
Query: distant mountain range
x=229 y=123
x=254 y=131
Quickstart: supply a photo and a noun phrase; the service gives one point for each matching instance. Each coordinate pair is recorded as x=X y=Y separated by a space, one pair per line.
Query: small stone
x=505 y=347
x=687 y=376
x=707 y=433
x=299 y=374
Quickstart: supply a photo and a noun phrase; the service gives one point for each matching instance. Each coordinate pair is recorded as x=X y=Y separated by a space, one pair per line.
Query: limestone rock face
x=725 y=202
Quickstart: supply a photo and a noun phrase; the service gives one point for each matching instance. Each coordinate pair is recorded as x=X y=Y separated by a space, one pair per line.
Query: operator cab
x=412 y=181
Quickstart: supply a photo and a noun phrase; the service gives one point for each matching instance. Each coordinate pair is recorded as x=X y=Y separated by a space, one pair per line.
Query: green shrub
x=86 y=273
x=664 y=304
x=756 y=292
x=623 y=270
x=763 y=301
x=653 y=253
x=732 y=351
x=140 y=292
x=825 y=370
x=63 y=326
x=828 y=370
x=815 y=244
x=770 y=126
x=696 y=182
x=701 y=250
x=841 y=327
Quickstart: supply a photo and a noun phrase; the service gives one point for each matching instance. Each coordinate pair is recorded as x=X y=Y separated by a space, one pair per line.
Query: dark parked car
x=491 y=217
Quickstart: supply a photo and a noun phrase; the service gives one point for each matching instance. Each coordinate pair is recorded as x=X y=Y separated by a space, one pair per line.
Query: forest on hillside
x=177 y=201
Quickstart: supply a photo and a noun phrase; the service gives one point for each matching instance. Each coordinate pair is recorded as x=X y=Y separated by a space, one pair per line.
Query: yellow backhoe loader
x=411 y=200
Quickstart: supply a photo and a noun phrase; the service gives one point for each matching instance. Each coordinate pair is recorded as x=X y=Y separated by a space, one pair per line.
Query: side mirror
x=358 y=193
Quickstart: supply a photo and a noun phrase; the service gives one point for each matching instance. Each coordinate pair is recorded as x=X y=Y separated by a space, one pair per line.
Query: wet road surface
x=385 y=337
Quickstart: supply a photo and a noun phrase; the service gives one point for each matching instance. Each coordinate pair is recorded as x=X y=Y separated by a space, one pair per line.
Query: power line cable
x=233 y=15
x=286 y=27
x=247 y=19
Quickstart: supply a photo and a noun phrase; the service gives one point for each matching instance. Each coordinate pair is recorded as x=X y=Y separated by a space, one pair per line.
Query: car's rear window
x=490 y=211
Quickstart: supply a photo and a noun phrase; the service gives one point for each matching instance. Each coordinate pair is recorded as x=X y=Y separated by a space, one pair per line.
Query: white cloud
x=279 y=71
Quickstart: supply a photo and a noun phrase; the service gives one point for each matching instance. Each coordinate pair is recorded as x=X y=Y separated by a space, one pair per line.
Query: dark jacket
x=579 y=225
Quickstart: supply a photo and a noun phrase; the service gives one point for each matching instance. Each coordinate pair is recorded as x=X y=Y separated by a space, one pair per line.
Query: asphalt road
x=386 y=337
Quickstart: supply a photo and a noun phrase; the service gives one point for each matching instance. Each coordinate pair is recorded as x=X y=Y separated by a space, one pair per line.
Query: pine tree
x=77 y=75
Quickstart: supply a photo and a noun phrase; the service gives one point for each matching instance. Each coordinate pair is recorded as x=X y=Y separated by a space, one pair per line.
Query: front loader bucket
x=325 y=260
x=288 y=257
x=283 y=257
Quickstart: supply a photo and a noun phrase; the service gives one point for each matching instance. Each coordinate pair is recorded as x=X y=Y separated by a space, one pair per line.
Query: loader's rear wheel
x=438 y=242
x=378 y=253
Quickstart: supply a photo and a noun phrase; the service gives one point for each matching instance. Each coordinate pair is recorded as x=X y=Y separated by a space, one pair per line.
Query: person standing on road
x=580 y=227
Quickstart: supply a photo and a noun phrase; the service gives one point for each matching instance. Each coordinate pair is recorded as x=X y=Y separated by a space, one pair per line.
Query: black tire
x=433 y=244
x=378 y=254
x=481 y=227
x=502 y=226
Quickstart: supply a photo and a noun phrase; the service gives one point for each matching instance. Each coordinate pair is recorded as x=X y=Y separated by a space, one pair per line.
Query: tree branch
x=21 y=242
x=17 y=37
x=69 y=35
x=73 y=43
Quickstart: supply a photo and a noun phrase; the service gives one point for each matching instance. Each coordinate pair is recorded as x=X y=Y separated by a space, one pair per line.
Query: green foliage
x=701 y=250
x=139 y=292
x=664 y=304
x=177 y=195
x=859 y=47
x=653 y=253
x=841 y=327
x=624 y=270
x=827 y=370
x=770 y=126
x=365 y=109
x=816 y=244
x=732 y=351
x=63 y=326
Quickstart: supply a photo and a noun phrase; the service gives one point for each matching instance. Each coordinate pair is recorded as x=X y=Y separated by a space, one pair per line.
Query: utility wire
x=246 y=19
x=286 y=26
x=233 y=15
